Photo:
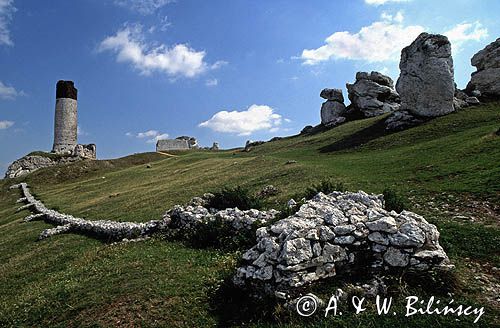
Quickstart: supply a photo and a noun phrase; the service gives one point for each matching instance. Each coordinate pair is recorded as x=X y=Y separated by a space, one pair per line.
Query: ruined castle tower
x=65 y=123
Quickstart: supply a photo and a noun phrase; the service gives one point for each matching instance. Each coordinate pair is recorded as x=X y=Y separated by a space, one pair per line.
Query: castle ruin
x=66 y=123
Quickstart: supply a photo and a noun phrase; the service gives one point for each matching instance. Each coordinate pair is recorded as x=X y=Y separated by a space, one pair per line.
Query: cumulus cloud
x=382 y=2
x=380 y=41
x=151 y=136
x=144 y=7
x=179 y=60
x=9 y=92
x=244 y=123
x=464 y=32
x=7 y=9
x=5 y=124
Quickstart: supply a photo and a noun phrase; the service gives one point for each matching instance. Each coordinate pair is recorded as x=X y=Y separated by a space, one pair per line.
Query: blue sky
x=223 y=71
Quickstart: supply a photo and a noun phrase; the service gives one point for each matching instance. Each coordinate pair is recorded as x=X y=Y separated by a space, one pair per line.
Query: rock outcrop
x=31 y=163
x=426 y=85
x=339 y=233
x=485 y=82
x=333 y=109
x=371 y=95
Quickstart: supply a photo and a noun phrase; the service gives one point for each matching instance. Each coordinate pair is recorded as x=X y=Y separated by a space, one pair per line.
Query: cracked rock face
x=335 y=234
x=486 y=80
x=426 y=85
x=372 y=94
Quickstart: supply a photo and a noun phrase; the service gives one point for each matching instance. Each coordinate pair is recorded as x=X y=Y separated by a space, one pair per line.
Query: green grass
x=72 y=280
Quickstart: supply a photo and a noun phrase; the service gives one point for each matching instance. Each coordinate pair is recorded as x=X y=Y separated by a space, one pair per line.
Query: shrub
x=325 y=186
x=234 y=197
x=219 y=234
x=394 y=201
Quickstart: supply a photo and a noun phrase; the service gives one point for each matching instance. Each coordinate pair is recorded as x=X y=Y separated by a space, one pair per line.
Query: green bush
x=234 y=197
x=326 y=186
x=394 y=201
x=219 y=234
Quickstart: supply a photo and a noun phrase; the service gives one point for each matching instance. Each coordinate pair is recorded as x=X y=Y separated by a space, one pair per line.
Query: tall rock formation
x=485 y=82
x=333 y=109
x=426 y=85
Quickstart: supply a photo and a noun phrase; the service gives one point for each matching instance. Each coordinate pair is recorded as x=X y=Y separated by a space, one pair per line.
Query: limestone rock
x=401 y=120
x=327 y=236
x=85 y=151
x=486 y=79
x=332 y=94
x=426 y=84
x=372 y=94
x=332 y=112
x=31 y=163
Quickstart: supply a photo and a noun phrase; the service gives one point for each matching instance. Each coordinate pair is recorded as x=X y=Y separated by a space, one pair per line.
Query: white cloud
x=464 y=32
x=211 y=82
x=152 y=136
x=9 y=92
x=178 y=60
x=382 y=2
x=7 y=9
x=5 y=124
x=144 y=7
x=255 y=118
x=380 y=41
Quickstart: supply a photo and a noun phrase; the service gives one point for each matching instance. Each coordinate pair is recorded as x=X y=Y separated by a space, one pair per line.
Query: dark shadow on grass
x=359 y=138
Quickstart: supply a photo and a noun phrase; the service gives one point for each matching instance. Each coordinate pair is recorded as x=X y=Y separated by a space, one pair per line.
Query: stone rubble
x=31 y=163
x=339 y=233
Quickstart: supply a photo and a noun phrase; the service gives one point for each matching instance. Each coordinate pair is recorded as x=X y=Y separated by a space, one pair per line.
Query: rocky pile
x=31 y=163
x=333 y=109
x=104 y=229
x=371 y=95
x=339 y=233
x=188 y=218
x=485 y=82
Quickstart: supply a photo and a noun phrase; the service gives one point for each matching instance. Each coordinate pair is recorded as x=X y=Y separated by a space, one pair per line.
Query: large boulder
x=333 y=109
x=426 y=84
x=372 y=94
x=486 y=79
x=335 y=234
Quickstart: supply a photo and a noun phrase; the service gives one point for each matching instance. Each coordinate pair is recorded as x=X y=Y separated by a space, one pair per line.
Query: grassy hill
x=448 y=168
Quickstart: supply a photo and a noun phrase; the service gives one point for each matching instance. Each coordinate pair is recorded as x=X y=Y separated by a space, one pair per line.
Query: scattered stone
x=426 y=84
x=485 y=82
x=249 y=144
x=472 y=101
x=268 y=191
x=372 y=94
x=290 y=162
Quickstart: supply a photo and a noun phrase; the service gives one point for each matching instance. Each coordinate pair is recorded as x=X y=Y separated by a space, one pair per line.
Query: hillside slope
x=449 y=168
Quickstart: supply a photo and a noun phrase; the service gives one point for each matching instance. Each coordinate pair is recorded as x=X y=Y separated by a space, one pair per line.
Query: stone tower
x=65 y=122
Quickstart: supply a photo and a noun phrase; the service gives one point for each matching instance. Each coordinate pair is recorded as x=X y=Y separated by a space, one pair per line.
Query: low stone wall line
x=103 y=229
